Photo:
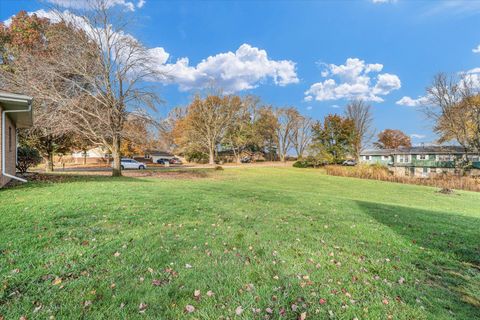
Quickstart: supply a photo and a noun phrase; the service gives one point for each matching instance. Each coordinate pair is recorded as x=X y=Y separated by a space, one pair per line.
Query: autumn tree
x=138 y=136
x=454 y=108
x=332 y=138
x=29 y=46
x=240 y=135
x=265 y=135
x=392 y=139
x=208 y=120
x=360 y=113
x=170 y=130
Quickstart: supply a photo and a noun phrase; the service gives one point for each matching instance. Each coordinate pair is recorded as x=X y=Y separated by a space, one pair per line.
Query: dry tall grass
x=382 y=173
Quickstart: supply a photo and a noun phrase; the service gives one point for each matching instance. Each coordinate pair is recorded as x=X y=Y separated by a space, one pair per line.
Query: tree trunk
x=211 y=156
x=48 y=162
x=117 y=167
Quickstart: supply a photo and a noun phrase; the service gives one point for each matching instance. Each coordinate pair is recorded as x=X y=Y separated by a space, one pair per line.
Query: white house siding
x=10 y=156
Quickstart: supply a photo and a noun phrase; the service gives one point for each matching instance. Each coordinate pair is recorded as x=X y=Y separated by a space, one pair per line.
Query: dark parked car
x=163 y=161
x=246 y=160
x=350 y=163
x=173 y=160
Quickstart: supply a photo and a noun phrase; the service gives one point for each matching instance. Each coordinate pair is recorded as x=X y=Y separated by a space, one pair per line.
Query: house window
x=366 y=157
x=425 y=172
x=444 y=157
x=10 y=139
x=422 y=157
x=147 y=156
x=403 y=158
x=385 y=157
x=474 y=158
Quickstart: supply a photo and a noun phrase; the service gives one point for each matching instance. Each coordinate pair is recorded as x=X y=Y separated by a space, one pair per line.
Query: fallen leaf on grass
x=57 y=281
x=196 y=294
x=302 y=316
x=189 y=308
x=239 y=310
x=142 y=307
x=116 y=254
x=210 y=293
x=158 y=282
x=323 y=301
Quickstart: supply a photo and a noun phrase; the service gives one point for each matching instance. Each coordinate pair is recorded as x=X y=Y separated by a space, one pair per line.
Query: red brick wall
x=10 y=156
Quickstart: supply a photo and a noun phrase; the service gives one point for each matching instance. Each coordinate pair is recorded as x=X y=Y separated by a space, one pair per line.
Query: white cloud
x=410 y=102
x=141 y=3
x=353 y=80
x=86 y=4
x=417 y=136
x=243 y=69
x=246 y=68
x=477 y=49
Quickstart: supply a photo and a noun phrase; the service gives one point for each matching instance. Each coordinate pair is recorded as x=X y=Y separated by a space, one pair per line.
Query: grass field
x=254 y=243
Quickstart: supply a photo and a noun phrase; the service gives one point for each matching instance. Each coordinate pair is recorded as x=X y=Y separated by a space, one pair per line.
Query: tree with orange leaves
x=392 y=139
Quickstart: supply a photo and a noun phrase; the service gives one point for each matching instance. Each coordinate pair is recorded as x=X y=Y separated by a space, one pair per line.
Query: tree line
x=92 y=84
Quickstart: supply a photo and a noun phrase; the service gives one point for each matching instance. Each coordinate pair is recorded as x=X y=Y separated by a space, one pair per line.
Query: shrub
x=27 y=157
x=218 y=168
x=378 y=172
x=302 y=164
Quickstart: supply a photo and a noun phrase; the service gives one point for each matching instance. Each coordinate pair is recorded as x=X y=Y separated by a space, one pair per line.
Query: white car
x=132 y=164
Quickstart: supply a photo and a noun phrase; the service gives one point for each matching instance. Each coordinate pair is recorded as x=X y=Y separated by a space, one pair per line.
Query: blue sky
x=314 y=55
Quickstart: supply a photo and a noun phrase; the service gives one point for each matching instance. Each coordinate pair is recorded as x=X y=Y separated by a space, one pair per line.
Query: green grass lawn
x=262 y=242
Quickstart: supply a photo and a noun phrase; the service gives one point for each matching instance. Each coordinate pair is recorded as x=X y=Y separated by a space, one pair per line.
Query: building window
x=385 y=157
x=366 y=157
x=10 y=139
x=422 y=157
x=444 y=157
x=425 y=172
x=474 y=158
x=403 y=158
x=147 y=156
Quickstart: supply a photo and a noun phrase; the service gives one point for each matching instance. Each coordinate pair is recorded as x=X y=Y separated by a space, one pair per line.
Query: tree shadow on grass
x=451 y=259
x=48 y=180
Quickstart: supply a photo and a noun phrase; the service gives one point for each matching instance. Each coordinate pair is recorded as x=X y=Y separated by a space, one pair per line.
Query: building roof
x=431 y=150
x=377 y=152
x=158 y=153
x=13 y=101
x=415 y=150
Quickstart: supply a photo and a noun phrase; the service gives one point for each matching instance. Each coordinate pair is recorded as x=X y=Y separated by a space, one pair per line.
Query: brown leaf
x=142 y=307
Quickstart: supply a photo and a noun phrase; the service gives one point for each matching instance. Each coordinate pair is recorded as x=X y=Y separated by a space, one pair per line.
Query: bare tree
x=109 y=71
x=454 y=107
x=302 y=135
x=287 y=119
x=361 y=114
